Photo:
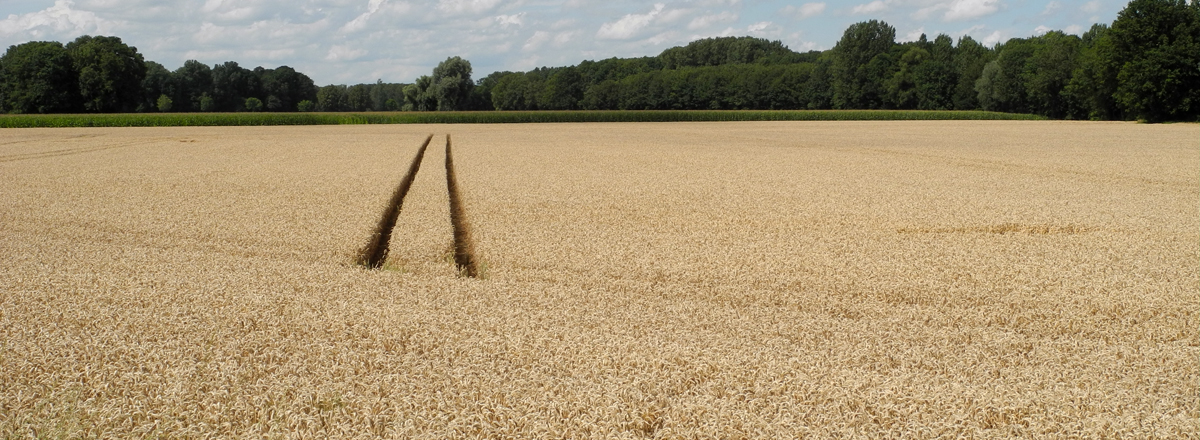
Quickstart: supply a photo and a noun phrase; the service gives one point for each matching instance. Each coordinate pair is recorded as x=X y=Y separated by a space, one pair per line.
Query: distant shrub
x=165 y=103
x=207 y=103
x=254 y=105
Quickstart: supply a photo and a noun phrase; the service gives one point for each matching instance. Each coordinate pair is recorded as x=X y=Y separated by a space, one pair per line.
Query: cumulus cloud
x=705 y=21
x=870 y=8
x=511 y=20
x=971 y=9
x=914 y=35
x=345 y=53
x=58 y=21
x=563 y=38
x=993 y=38
x=806 y=10
x=466 y=6
x=1041 y=30
x=629 y=25
x=536 y=41
x=360 y=22
x=1052 y=8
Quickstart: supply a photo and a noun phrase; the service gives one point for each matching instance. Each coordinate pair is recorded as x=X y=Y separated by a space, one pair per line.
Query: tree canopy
x=1145 y=65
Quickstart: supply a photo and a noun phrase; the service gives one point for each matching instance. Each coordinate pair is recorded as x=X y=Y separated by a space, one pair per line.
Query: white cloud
x=629 y=25
x=992 y=39
x=273 y=54
x=1052 y=8
x=467 y=6
x=58 y=21
x=758 y=27
x=1074 y=29
x=228 y=10
x=971 y=9
x=511 y=20
x=1041 y=30
x=810 y=10
x=913 y=36
x=673 y=15
x=564 y=24
x=563 y=38
x=536 y=41
x=1092 y=7
x=709 y=20
x=356 y=24
x=870 y=8
x=345 y=53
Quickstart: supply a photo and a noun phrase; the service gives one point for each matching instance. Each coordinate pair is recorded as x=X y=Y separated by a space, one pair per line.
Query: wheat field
x=973 y=279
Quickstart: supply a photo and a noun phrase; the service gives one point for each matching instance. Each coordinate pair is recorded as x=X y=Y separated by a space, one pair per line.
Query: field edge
x=488 y=117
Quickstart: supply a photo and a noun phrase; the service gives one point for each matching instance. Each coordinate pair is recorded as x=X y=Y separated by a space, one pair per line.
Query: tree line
x=1145 y=65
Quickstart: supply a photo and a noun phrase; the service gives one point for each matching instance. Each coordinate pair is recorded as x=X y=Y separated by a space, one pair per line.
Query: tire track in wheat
x=67 y=152
x=464 y=245
x=375 y=252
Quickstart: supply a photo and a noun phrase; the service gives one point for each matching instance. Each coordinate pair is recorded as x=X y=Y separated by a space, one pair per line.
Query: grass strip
x=464 y=246
x=488 y=117
x=375 y=252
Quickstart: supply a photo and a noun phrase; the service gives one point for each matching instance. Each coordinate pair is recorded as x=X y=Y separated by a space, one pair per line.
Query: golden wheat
x=731 y=280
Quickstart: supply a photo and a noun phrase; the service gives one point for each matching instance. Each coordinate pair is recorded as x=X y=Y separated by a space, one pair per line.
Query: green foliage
x=451 y=84
x=232 y=84
x=935 y=78
x=970 y=59
x=486 y=117
x=861 y=65
x=38 y=77
x=563 y=91
x=110 y=73
x=254 y=105
x=728 y=50
x=386 y=96
x=332 y=98
x=164 y=103
x=358 y=98
x=207 y=103
x=1001 y=87
x=1093 y=84
x=190 y=82
x=902 y=86
x=1156 y=55
x=288 y=86
x=1049 y=71
x=421 y=96
x=1145 y=66
x=515 y=91
x=156 y=84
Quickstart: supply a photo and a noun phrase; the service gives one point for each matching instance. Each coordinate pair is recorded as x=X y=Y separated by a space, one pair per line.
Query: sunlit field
x=907 y=279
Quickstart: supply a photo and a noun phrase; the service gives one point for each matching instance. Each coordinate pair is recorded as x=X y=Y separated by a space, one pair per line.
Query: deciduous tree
x=38 y=77
x=110 y=73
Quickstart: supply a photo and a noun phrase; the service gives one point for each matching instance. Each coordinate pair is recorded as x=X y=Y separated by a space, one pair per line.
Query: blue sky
x=356 y=41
